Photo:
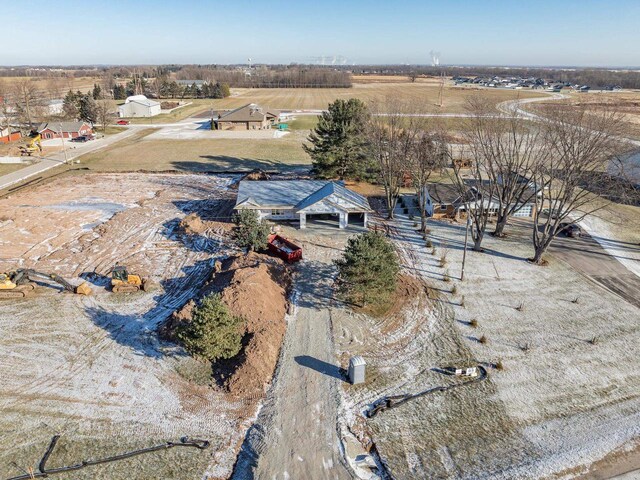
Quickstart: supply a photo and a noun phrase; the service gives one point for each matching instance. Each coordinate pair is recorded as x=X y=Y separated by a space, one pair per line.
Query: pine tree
x=97 y=91
x=213 y=333
x=70 y=105
x=368 y=270
x=119 y=92
x=250 y=232
x=338 y=144
x=87 y=109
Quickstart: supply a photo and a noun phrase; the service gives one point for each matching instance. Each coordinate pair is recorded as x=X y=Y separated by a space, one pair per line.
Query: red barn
x=49 y=130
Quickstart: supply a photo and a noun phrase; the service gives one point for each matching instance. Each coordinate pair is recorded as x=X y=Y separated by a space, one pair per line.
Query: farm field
x=63 y=84
x=423 y=96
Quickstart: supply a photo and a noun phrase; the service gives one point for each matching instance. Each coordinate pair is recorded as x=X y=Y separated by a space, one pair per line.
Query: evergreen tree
x=119 y=92
x=368 y=270
x=87 y=109
x=97 y=91
x=213 y=333
x=70 y=105
x=225 y=90
x=338 y=143
x=250 y=232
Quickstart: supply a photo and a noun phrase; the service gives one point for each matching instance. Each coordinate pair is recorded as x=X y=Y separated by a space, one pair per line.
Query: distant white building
x=139 y=106
x=55 y=107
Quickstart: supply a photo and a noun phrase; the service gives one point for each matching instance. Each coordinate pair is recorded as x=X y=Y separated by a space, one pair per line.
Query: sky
x=477 y=32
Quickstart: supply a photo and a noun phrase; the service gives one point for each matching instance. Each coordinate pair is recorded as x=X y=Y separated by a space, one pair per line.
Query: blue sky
x=516 y=32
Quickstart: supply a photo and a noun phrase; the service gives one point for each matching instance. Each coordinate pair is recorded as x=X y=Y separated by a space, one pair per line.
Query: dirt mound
x=255 y=287
x=192 y=224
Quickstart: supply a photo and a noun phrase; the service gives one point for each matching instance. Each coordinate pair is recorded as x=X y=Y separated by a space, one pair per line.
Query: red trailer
x=286 y=250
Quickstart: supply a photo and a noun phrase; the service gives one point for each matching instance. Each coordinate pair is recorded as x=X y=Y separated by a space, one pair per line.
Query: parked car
x=572 y=230
x=81 y=139
x=122 y=122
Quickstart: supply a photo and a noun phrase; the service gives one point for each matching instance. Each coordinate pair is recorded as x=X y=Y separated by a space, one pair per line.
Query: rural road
x=57 y=158
x=588 y=257
x=295 y=436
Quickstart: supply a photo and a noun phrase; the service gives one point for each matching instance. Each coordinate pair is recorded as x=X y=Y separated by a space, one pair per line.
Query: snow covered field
x=92 y=368
x=569 y=392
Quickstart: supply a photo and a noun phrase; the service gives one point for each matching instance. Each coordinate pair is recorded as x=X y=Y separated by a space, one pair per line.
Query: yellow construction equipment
x=19 y=283
x=124 y=282
x=35 y=145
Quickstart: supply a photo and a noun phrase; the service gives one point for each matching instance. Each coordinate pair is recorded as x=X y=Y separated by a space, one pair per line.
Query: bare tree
x=475 y=189
x=578 y=177
x=104 y=113
x=26 y=98
x=509 y=149
x=391 y=136
x=428 y=155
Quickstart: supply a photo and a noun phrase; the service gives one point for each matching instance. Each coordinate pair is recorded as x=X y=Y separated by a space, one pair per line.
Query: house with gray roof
x=299 y=200
x=48 y=130
x=248 y=117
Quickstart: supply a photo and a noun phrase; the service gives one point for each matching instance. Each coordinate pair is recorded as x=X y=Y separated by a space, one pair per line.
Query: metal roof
x=296 y=194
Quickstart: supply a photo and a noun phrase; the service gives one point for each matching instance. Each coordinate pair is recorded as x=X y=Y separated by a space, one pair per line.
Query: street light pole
x=464 y=253
x=66 y=160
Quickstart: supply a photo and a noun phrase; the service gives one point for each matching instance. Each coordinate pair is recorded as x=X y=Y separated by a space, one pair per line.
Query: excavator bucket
x=83 y=289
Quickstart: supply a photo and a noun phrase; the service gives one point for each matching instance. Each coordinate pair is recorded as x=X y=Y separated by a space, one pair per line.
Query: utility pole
x=64 y=150
x=464 y=253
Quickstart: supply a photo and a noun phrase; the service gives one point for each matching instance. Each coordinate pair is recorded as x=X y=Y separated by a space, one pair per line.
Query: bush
x=368 y=270
x=250 y=231
x=213 y=333
x=483 y=339
x=473 y=323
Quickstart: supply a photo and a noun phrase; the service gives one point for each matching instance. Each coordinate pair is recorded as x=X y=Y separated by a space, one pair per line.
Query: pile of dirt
x=193 y=224
x=255 y=287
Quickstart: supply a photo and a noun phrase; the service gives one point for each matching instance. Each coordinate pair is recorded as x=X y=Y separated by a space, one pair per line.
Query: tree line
x=556 y=164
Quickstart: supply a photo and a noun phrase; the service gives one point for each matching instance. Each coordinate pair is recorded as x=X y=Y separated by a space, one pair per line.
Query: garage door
x=524 y=211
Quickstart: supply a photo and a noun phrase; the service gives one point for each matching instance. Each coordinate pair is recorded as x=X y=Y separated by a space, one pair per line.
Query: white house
x=139 y=106
x=300 y=200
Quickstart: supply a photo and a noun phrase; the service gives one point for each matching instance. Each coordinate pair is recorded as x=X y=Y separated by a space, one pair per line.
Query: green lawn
x=303 y=122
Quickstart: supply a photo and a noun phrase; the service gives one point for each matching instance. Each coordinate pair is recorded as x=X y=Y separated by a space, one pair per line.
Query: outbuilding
x=138 y=106
x=328 y=202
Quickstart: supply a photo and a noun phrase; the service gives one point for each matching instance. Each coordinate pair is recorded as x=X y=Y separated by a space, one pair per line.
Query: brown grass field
x=84 y=84
x=627 y=102
x=421 y=95
x=139 y=154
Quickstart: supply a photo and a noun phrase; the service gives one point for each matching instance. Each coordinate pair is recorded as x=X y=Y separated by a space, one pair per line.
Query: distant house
x=445 y=201
x=139 y=106
x=247 y=117
x=188 y=83
x=7 y=135
x=55 y=107
x=302 y=200
x=48 y=130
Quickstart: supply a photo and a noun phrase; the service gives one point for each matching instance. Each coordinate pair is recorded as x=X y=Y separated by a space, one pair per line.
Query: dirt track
x=295 y=435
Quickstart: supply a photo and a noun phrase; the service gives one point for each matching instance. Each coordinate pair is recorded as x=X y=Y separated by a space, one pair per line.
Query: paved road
x=295 y=434
x=57 y=159
x=587 y=256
